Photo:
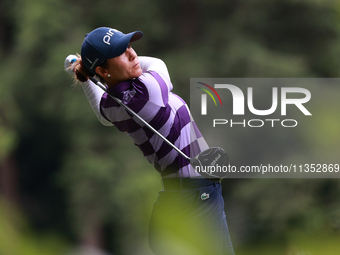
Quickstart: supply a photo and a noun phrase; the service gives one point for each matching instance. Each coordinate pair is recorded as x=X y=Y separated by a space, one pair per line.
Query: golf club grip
x=99 y=84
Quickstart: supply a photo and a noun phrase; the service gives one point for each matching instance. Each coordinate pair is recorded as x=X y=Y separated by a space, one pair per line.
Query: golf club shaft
x=99 y=84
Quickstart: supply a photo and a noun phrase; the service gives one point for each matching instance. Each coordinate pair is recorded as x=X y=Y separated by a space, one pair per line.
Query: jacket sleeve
x=154 y=64
x=155 y=81
x=93 y=94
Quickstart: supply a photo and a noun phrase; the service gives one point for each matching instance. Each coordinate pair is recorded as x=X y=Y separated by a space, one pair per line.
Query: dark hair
x=82 y=74
x=105 y=66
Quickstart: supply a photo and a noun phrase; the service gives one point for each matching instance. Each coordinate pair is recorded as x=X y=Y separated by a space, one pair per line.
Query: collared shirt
x=151 y=98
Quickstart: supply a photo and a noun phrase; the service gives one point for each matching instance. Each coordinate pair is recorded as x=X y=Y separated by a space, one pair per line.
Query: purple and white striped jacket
x=150 y=97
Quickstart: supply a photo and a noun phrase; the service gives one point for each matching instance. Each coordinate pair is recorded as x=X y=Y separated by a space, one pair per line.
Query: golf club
x=207 y=163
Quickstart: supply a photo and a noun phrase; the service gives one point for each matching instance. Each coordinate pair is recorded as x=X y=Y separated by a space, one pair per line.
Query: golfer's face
x=125 y=66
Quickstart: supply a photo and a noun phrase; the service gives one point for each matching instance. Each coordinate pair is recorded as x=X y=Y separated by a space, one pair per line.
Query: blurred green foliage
x=86 y=183
x=16 y=237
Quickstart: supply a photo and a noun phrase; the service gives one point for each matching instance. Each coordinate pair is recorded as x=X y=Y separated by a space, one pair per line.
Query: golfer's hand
x=70 y=59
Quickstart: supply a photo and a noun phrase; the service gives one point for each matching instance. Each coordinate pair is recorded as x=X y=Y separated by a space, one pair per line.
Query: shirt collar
x=118 y=89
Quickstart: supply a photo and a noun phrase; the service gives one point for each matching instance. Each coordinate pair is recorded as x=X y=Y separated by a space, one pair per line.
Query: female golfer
x=188 y=216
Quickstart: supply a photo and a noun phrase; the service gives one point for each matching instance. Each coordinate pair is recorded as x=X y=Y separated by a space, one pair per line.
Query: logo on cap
x=92 y=63
x=107 y=37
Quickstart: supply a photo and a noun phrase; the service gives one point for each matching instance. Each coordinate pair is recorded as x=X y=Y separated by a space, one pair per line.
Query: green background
x=67 y=182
